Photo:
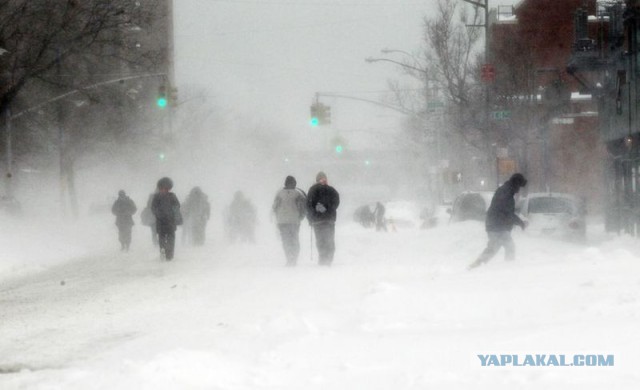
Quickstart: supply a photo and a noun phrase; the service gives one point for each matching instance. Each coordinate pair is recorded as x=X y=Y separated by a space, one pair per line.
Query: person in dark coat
x=166 y=208
x=124 y=208
x=501 y=217
x=381 y=222
x=322 y=204
x=289 y=207
x=196 y=211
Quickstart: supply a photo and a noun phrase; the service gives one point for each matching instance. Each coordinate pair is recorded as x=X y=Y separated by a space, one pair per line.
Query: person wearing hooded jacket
x=289 y=207
x=322 y=204
x=196 y=211
x=501 y=217
x=166 y=208
x=124 y=208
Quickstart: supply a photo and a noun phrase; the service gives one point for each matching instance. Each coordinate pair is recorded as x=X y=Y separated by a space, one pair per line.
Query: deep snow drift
x=396 y=311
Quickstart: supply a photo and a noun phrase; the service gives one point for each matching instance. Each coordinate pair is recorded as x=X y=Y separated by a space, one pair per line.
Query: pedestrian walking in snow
x=381 y=222
x=240 y=219
x=124 y=208
x=166 y=208
x=196 y=212
x=148 y=219
x=289 y=207
x=501 y=217
x=322 y=204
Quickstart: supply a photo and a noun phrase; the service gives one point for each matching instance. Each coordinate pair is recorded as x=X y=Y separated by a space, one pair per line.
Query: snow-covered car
x=470 y=205
x=402 y=214
x=554 y=214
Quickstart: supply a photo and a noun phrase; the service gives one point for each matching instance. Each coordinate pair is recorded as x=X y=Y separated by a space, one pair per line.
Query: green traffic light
x=314 y=122
x=162 y=157
x=162 y=102
x=338 y=149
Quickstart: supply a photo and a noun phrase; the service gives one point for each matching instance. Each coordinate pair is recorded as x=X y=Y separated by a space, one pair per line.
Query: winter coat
x=242 y=213
x=166 y=208
x=289 y=206
x=196 y=209
x=124 y=208
x=501 y=215
x=322 y=203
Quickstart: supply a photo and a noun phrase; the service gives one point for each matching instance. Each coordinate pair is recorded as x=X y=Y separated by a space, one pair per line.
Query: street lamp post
x=439 y=190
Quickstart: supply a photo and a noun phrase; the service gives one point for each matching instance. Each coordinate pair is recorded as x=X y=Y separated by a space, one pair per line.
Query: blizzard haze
x=396 y=310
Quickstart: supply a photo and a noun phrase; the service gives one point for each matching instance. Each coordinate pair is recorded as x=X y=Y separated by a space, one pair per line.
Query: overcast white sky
x=267 y=58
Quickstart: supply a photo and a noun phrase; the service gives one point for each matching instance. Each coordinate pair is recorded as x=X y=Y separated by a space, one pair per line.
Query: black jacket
x=166 y=208
x=123 y=208
x=322 y=197
x=501 y=215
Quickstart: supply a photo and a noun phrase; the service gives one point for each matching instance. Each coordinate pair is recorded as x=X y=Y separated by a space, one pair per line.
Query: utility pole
x=487 y=60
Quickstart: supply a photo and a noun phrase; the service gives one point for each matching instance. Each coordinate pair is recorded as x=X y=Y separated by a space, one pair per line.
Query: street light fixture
x=439 y=192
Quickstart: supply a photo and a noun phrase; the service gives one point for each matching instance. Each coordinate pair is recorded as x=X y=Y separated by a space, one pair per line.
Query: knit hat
x=165 y=182
x=518 y=180
x=290 y=182
x=321 y=175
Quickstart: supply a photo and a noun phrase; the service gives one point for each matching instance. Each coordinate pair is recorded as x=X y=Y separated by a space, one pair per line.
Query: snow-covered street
x=395 y=311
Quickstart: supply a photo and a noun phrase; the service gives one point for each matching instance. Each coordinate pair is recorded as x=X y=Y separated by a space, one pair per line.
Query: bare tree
x=53 y=47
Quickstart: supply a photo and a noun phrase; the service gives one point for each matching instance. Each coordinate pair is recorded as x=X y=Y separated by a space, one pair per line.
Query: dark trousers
x=124 y=236
x=289 y=232
x=167 y=240
x=497 y=240
x=325 y=241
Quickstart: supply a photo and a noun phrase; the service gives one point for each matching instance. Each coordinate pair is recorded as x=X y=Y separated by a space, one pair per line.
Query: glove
x=320 y=208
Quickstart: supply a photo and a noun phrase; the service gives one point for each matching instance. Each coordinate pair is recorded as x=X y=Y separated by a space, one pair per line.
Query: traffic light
x=161 y=99
x=173 y=96
x=338 y=144
x=314 y=121
x=320 y=115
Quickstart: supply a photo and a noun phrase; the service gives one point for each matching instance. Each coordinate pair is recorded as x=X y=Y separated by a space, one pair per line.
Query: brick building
x=553 y=130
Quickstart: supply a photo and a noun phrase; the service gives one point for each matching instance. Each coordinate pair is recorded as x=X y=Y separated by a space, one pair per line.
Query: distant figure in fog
x=148 y=219
x=124 y=208
x=501 y=216
x=241 y=219
x=381 y=223
x=364 y=216
x=196 y=212
x=289 y=207
x=322 y=204
x=166 y=208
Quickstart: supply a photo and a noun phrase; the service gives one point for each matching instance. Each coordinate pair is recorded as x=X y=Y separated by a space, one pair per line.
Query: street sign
x=488 y=73
x=500 y=115
x=506 y=166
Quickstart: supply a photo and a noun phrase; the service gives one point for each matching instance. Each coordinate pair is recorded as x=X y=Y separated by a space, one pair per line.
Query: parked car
x=470 y=206
x=554 y=214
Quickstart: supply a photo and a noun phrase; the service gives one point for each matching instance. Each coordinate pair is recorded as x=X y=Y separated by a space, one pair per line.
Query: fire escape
x=607 y=68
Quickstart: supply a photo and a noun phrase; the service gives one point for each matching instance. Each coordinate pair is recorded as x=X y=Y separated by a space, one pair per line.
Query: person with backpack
x=166 y=208
x=289 y=206
x=124 y=208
